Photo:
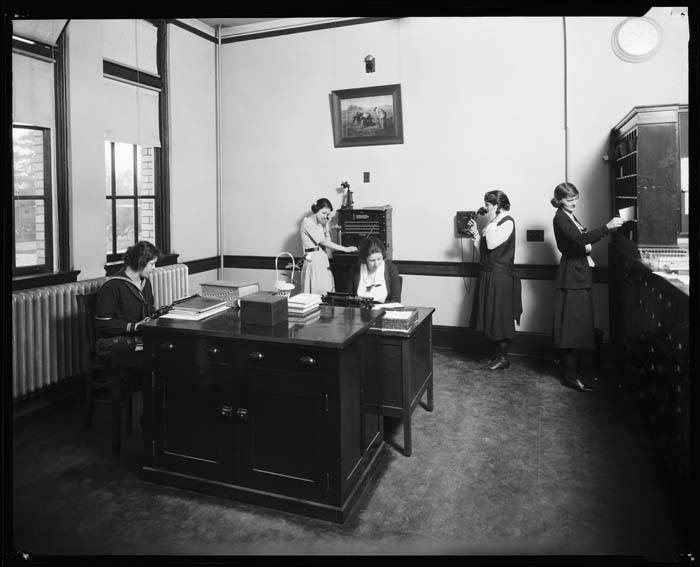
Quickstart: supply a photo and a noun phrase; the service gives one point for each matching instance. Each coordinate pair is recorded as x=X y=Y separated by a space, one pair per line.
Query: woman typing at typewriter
x=316 y=276
x=125 y=301
x=375 y=276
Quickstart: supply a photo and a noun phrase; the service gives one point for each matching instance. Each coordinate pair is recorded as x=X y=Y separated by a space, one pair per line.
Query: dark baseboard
x=424 y=267
x=202 y=265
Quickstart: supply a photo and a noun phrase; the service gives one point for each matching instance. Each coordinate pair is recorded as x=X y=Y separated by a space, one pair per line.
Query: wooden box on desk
x=263 y=308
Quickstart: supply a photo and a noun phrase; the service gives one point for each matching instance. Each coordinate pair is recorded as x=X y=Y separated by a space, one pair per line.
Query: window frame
x=47 y=197
x=115 y=256
x=161 y=167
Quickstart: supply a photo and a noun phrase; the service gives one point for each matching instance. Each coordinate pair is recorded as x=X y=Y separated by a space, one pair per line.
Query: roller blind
x=131 y=43
x=131 y=114
x=45 y=31
x=32 y=91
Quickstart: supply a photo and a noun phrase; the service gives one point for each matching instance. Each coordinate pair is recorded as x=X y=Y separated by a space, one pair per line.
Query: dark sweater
x=391 y=279
x=573 y=271
x=120 y=304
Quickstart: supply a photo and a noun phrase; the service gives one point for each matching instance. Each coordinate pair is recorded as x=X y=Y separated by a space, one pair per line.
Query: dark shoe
x=501 y=363
x=490 y=362
x=577 y=384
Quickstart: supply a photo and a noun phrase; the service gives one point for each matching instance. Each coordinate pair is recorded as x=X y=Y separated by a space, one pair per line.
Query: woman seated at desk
x=125 y=301
x=375 y=276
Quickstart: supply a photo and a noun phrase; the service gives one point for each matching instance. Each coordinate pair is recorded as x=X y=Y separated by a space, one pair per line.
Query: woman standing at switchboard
x=497 y=299
x=316 y=276
x=573 y=299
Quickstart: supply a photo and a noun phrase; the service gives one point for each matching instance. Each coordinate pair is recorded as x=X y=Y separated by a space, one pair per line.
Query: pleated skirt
x=573 y=318
x=492 y=313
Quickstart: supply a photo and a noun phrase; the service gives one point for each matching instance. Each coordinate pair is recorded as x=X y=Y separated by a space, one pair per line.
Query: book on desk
x=195 y=308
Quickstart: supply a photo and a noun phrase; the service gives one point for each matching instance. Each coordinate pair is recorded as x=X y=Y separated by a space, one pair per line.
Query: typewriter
x=347 y=300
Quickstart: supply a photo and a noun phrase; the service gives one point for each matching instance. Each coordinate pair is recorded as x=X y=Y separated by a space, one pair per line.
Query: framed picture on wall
x=367 y=116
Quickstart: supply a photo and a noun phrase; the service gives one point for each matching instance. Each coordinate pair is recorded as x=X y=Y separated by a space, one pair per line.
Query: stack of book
x=401 y=321
x=195 y=308
x=231 y=292
x=304 y=307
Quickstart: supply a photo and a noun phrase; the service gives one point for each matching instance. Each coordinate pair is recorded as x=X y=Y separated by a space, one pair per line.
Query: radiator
x=46 y=329
x=169 y=283
x=46 y=335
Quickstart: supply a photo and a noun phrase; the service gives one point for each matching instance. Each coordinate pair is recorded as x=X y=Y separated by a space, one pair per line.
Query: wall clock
x=636 y=39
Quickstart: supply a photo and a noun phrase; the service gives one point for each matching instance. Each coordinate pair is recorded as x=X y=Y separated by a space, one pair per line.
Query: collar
x=573 y=218
x=378 y=278
x=121 y=275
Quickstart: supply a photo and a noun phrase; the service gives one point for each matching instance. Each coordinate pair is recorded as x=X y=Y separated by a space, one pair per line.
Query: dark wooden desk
x=275 y=416
x=400 y=370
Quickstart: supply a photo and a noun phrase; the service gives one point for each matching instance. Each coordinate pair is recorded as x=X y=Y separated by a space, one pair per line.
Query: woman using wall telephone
x=497 y=300
x=316 y=276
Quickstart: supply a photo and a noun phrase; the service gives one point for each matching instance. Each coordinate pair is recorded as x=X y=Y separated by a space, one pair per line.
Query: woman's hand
x=350 y=249
x=471 y=229
x=138 y=323
x=615 y=223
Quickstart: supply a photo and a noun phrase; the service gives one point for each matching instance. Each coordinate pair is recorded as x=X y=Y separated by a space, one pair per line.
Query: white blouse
x=372 y=285
x=494 y=234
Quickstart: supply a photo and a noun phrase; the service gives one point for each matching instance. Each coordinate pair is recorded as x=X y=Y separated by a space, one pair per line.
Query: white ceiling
x=231 y=22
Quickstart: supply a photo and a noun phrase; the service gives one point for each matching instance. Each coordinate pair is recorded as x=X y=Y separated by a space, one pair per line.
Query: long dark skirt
x=573 y=318
x=492 y=313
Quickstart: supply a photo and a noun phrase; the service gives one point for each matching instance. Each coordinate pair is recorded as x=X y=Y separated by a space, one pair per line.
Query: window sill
x=112 y=268
x=20 y=283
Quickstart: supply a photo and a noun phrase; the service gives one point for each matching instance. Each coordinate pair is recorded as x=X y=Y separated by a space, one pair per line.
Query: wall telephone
x=462 y=219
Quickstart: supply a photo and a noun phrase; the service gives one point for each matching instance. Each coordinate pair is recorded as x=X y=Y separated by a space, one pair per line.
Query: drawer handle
x=226 y=411
x=661 y=296
x=214 y=350
x=669 y=304
x=308 y=360
x=256 y=355
x=167 y=346
x=242 y=414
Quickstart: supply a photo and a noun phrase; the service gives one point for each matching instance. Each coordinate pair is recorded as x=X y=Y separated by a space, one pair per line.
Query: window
x=130 y=184
x=33 y=244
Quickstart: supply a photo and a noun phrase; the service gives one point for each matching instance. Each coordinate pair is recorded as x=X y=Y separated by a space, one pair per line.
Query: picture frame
x=367 y=116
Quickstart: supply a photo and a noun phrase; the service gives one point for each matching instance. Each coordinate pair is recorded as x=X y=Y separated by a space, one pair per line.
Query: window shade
x=131 y=43
x=45 y=31
x=131 y=114
x=32 y=91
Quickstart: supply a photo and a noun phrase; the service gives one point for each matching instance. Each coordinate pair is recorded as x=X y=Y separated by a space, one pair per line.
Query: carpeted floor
x=508 y=463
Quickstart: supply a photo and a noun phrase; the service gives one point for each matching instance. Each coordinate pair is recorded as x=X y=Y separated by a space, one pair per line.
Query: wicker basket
x=284 y=288
x=228 y=291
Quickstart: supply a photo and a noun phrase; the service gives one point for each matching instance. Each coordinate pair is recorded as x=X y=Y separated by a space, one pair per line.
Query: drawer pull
x=242 y=414
x=678 y=346
x=661 y=296
x=167 y=346
x=226 y=411
x=214 y=350
x=669 y=304
x=307 y=360
x=256 y=355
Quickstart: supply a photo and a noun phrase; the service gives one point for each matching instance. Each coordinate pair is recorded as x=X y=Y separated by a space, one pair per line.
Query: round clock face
x=636 y=39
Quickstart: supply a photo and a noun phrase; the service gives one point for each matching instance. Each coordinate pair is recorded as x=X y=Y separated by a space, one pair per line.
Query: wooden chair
x=105 y=381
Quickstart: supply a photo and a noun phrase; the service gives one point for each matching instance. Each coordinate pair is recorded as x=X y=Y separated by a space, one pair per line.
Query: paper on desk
x=398 y=315
x=391 y=305
x=628 y=213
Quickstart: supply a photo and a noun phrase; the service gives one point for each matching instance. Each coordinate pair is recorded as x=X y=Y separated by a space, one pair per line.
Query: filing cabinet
x=650 y=328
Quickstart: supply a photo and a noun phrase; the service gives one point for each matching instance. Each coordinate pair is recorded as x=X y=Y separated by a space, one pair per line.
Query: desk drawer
x=191 y=350
x=261 y=355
